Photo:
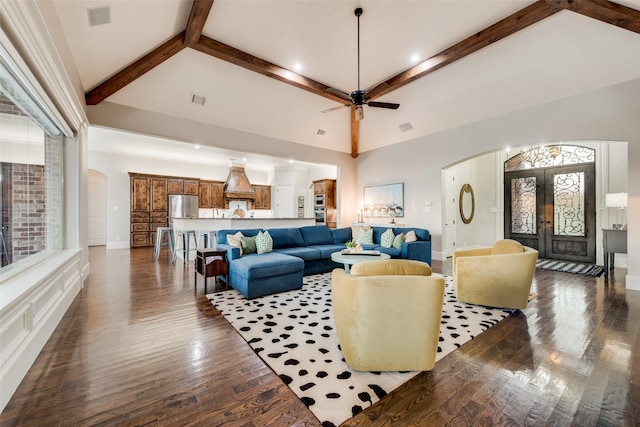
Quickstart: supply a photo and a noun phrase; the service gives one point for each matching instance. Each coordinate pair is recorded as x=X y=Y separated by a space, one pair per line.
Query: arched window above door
x=545 y=156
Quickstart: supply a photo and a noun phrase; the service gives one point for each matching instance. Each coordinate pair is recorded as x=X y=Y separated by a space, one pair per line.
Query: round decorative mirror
x=464 y=205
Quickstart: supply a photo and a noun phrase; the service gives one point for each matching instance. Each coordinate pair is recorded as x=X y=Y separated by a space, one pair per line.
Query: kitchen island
x=213 y=224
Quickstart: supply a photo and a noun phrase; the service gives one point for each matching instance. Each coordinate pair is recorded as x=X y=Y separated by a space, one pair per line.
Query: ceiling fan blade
x=389 y=105
x=339 y=93
x=339 y=107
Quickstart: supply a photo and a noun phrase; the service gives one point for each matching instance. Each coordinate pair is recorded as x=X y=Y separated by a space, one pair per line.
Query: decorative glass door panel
x=523 y=205
x=552 y=209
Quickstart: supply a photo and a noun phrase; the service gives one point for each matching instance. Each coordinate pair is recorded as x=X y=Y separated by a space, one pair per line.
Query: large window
x=31 y=171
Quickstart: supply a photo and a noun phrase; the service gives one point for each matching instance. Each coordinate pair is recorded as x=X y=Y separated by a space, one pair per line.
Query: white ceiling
x=561 y=56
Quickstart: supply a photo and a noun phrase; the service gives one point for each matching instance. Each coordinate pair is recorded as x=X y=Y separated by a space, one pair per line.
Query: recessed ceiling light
x=290 y=160
x=197 y=147
x=415 y=58
x=244 y=159
x=297 y=67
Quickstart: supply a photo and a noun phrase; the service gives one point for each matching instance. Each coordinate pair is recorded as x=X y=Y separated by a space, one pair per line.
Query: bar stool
x=208 y=238
x=186 y=241
x=160 y=232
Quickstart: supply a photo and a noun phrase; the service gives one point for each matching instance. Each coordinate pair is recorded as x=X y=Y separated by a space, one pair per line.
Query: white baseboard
x=438 y=256
x=118 y=245
x=86 y=270
x=633 y=282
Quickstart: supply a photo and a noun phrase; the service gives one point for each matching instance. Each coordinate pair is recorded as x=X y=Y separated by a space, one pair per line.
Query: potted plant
x=352 y=246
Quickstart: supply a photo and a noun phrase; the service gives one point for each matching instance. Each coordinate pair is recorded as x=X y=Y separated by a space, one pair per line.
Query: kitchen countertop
x=246 y=219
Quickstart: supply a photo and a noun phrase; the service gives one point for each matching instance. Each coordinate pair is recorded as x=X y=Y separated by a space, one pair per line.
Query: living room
x=605 y=112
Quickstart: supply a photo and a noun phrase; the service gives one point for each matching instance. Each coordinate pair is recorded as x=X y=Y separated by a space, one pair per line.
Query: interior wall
x=482 y=174
x=117 y=167
x=486 y=174
x=607 y=114
x=148 y=123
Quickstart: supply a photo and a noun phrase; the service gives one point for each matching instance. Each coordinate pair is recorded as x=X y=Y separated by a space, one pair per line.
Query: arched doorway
x=549 y=201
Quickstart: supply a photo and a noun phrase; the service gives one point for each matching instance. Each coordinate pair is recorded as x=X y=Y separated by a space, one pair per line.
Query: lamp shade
x=616 y=200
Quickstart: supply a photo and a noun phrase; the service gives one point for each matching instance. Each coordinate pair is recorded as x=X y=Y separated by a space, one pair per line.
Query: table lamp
x=617 y=200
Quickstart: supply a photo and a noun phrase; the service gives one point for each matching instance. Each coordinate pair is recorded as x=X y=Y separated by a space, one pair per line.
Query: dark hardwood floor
x=140 y=346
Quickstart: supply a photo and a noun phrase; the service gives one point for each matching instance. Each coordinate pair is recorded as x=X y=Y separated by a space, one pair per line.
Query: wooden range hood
x=237 y=186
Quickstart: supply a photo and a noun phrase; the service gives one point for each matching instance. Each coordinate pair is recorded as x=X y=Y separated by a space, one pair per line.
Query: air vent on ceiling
x=197 y=99
x=405 y=127
x=321 y=132
x=99 y=16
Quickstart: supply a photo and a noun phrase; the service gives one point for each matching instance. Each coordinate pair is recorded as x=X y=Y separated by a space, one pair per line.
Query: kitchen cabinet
x=263 y=197
x=139 y=193
x=328 y=188
x=211 y=194
x=159 y=198
x=150 y=204
x=175 y=185
x=191 y=186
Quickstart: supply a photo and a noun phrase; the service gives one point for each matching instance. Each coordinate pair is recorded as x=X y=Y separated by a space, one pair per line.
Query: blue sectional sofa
x=303 y=251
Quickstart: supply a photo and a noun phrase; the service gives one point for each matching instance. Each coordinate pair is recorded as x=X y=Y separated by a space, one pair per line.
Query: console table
x=613 y=241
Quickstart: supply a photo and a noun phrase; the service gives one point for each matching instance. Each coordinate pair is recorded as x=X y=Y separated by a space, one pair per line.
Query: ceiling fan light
x=359 y=112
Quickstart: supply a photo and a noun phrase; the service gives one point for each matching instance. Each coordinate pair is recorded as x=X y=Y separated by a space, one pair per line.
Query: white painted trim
x=633 y=282
x=438 y=256
x=32 y=305
x=118 y=245
x=35 y=45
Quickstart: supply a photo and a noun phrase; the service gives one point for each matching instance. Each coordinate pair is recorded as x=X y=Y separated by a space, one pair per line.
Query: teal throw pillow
x=398 y=241
x=248 y=245
x=365 y=237
x=264 y=242
x=386 y=240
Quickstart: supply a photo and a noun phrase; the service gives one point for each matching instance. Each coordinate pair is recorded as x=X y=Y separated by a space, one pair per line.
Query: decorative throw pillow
x=410 y=237
x=365 y=237
x=386 y=240
x=264 y=242
x=248 y=245
x=356 y=229
x=235 y=240
x=398 y=241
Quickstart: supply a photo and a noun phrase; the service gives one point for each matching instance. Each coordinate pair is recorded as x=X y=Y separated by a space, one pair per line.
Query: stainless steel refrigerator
x=182 y=207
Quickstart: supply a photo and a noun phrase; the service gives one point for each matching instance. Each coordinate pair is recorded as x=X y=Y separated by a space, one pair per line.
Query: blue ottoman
x=257 y=275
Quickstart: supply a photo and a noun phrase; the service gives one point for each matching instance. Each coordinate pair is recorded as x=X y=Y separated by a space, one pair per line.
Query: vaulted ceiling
x=265 y=66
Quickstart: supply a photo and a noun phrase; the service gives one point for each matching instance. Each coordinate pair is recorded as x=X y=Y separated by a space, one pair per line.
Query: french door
x=553 y=210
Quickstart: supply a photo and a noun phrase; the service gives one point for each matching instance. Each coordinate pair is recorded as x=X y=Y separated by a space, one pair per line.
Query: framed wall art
x=384 y=201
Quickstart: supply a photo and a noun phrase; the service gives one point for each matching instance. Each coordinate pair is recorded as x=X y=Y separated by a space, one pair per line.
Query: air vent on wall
x=197 y=99
x=99 y=16
x=405 y=127
x=321 y=132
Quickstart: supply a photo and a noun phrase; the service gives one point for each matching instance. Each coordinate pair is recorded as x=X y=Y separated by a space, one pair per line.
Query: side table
x=211 y=263
x=613 y=241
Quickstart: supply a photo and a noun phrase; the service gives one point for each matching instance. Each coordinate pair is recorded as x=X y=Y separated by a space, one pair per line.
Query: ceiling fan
x=358 y=97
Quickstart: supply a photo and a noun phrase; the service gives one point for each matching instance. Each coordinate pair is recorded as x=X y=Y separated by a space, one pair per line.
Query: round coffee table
x=349 y=259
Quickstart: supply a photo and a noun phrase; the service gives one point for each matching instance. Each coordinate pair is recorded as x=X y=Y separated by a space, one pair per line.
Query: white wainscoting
x=31 y=306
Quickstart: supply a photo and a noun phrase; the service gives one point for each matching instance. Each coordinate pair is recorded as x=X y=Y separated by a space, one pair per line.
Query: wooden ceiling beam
x=603 y=10
x=515 y=22
x=197 y=18
x=245 y=60
x=355 y=132
x=135 y=70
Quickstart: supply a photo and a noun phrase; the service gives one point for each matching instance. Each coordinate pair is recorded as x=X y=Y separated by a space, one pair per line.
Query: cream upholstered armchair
x=387 y=315
x=499 y=276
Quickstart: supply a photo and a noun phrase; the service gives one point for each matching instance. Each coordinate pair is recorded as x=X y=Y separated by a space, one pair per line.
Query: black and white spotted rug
x=293 y=332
